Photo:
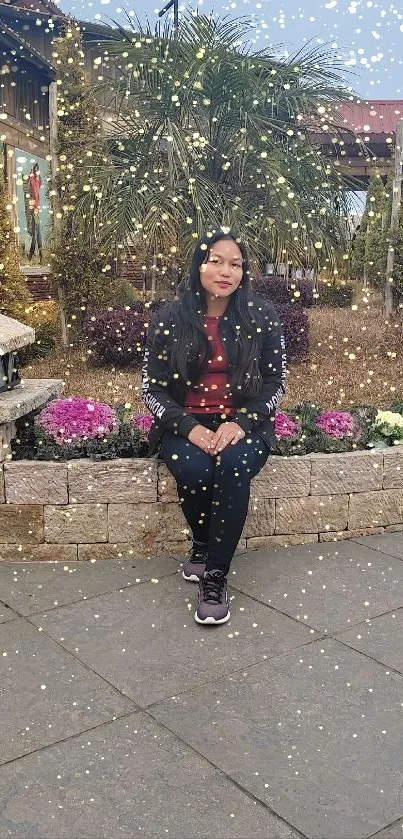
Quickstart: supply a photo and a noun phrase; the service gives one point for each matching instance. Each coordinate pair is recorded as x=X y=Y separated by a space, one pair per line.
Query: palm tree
x=203 y=132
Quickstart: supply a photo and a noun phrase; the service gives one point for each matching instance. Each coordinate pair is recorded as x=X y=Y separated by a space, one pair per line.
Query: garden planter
x=128 y=508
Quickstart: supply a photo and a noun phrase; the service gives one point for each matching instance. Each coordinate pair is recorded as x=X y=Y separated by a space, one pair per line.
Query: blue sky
x=368 y=35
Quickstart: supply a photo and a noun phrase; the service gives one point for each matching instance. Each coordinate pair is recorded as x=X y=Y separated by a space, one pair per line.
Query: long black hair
x=191 y=348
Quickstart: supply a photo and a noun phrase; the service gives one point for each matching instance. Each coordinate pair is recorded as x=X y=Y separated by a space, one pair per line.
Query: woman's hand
x=202 y=438
x=228 y=433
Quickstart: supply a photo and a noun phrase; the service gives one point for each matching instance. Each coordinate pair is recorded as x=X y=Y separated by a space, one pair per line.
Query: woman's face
x=221 y=274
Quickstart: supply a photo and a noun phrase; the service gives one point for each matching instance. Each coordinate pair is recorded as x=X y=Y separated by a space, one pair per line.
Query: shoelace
x=198 y=555
x=213 y=588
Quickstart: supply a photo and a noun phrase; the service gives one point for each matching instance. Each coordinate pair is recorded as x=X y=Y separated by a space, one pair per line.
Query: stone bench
x=90 y=510
x=18 y=398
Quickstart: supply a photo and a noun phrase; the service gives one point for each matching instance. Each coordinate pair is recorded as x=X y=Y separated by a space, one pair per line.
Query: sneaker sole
x=212 y=620
x=193 y=578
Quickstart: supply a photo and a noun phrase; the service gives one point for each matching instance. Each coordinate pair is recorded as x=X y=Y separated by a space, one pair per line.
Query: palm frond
x=208 y=132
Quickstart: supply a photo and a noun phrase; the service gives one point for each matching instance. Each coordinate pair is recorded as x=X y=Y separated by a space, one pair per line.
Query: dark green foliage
x=31 y=443
x=117 y=336
x=296 y=331
x=335 y=295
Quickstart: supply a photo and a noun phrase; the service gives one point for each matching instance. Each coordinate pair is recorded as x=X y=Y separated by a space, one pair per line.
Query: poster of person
x=33 y=216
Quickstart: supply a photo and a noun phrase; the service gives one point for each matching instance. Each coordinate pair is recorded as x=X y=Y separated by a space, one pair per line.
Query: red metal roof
x=376 y=116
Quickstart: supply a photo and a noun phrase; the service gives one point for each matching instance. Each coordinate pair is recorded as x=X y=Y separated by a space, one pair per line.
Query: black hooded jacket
x=164 y=394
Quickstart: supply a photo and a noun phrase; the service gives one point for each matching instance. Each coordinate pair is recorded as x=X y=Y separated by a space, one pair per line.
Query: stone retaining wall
x=129 y=508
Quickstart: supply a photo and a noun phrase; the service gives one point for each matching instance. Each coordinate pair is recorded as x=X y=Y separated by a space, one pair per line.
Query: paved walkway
x=121 y=717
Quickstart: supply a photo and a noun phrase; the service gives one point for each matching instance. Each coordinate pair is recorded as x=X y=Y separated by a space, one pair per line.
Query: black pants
x=214 y=491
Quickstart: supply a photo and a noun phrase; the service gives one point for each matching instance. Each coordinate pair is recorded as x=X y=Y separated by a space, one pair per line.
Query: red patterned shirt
x=212 y=391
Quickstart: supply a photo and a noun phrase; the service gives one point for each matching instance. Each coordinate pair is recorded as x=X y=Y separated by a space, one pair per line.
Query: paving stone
x=349 y=534
x=76 y=523
x=128 y=551
x=394 y=831
x=327 y=586
x=388 y=543
x=36 y=482
x=273 y=542
x=128 y=778
x=6 y=614
x=118 y=481
x=37 y=553
x=381 y=639
x=145 y=640
x=318 y=737
x=46 y=694
x=34 y=587
x=21 y=523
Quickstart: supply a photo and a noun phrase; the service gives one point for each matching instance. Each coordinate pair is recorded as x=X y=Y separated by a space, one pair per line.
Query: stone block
x=26 y=397
x=318 y=513
x=260 y=518
x=394 y=528
x=350 y=534
x=150 y=526
x=172 y=548
x=375 y=509
x=38 y=553
x=2 y=495
x=73 y=523
x=21 y=523
x=128 y=550
x=7 y=433
x=35 y=482
x=110 y=482
x=350 y=472
x=283 y=477
x=393 y=468
x=272 y=542
x=166 y=485
x=14 y=335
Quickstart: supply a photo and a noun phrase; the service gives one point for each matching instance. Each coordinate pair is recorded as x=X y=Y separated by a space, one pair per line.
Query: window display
x=34 y=223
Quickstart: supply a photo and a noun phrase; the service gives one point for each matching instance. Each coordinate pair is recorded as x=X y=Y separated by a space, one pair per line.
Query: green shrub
x=43 y=316
x=125 y=294
x=32 y=443
x=336 y=295
x=116 y=336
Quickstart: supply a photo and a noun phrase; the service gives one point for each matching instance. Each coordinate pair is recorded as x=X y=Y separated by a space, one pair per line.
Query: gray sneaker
x=213 y=600
x=193 y=570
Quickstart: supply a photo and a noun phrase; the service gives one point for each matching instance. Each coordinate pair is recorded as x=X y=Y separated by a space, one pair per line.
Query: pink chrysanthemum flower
x=76 y=419
x=143 y=422
x=285 y=426
x=336 y=424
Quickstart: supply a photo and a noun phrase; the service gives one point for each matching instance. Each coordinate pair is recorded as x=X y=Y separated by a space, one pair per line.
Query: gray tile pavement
x=32 y=586
x=120 y=716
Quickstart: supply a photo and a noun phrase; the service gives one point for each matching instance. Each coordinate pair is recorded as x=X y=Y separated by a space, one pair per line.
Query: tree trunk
x=394 y=219
x=153 y=281
x=57 y=216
